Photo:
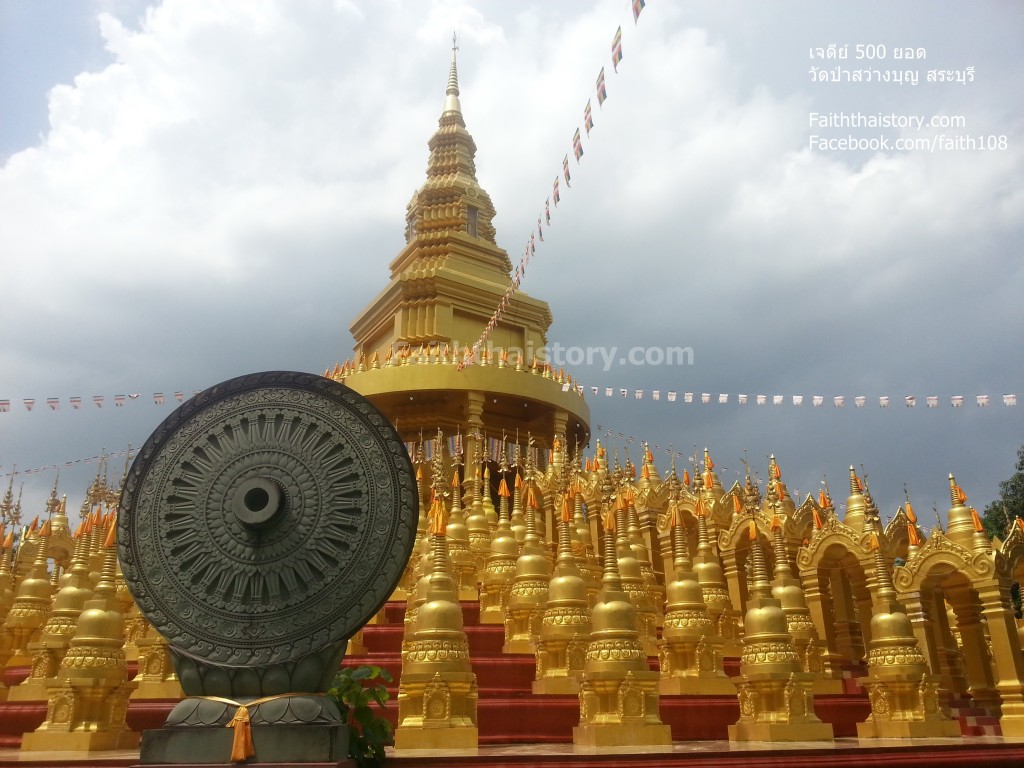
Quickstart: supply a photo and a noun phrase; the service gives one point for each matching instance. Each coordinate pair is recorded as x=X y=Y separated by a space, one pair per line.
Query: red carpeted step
x=18 y=717
x=503 y=675
x=387 y=638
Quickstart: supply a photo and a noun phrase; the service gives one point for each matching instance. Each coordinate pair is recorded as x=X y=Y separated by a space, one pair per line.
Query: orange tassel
x=737 y=505
x=1020 y=524
x=776 y=523
x=699 y=508
x=503 y=489
x=438 y=525
x=912 y=536
x=910 y=513
x=647 y=472
x=752 y=531
x=875 y=544
x=961 y=496
x=241 y=745
x=817 y=519
x=976 y=520
x=708 y=479
x=608 y=520
x=673 y=514
x=566 y=511
x=708 y=463
x=686 y=478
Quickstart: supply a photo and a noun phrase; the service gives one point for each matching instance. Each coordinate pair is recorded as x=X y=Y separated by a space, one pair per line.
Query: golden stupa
x=632 y=597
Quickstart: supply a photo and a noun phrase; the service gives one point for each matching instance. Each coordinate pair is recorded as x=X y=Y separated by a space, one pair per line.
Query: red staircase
x=974 y=721
x=520 y=729
x=509 y=713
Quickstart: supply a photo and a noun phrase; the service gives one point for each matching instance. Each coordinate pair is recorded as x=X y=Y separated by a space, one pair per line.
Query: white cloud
x=227 y=194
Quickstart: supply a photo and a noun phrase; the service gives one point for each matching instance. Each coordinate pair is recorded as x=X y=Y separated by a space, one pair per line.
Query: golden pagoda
x=411 y=340
x=517 y=537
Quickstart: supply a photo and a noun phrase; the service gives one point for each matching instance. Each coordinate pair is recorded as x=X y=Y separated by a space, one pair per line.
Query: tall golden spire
x=451 y=100
x=451 y=274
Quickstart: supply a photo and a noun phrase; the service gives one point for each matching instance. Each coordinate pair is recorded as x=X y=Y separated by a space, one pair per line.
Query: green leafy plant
x=355 y=688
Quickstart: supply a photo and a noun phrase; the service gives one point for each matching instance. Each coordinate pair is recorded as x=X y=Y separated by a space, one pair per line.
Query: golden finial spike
x=451 y=102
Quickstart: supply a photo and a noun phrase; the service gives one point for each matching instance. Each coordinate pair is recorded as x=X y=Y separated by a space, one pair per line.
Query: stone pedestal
x=193 y=745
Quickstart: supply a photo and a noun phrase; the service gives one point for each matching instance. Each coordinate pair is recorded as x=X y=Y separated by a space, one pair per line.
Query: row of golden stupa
x=595 y=566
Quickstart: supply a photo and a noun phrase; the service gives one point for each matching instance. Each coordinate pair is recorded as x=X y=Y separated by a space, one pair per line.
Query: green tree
x=355 y=689
x=1000 y=514
x=1010 y=503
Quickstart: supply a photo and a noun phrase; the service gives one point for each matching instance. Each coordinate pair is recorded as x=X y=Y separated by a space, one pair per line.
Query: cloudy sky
x=192 y=191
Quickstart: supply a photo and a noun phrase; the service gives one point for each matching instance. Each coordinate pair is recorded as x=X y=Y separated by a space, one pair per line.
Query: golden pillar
x=463 y=560
x=565 y=621
x=716 y=594
x=437 y=694
x=618 y=693
x=6 y=600
x=690 y=658
x=775 y=694
x=31 y=606
x=1006 y=650
x=88 y=698
x=529 y=589
x=55 y=638
x=501 y=562
x=904 y=695
x=787 y=589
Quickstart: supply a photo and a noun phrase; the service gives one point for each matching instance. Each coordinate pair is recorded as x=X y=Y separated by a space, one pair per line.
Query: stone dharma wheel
x=262 y=524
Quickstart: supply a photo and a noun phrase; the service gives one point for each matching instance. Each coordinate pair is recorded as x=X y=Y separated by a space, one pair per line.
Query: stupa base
x=696 y=686
x=79 y=741
x=908 y=729
x=566 y=685
x=753 y=731
x=828 y=686
x=28 y=690
x=455 y=737
x=621 y=735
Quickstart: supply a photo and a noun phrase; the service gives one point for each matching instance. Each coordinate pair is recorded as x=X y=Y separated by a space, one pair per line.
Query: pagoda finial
x=451 y=101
